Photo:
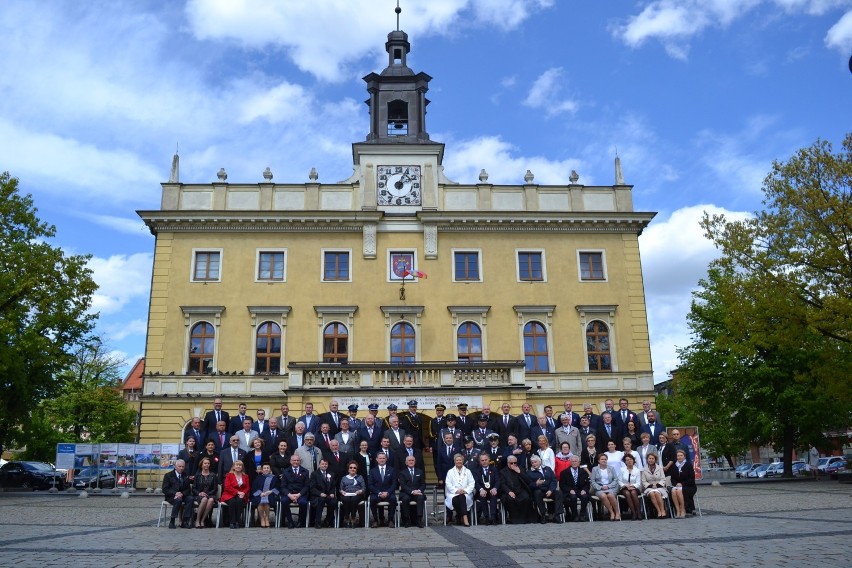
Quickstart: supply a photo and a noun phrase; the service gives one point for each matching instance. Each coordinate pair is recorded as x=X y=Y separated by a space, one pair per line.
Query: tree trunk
x=789 y=440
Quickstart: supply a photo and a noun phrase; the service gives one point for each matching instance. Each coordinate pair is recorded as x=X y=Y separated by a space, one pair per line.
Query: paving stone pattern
x=775 y=524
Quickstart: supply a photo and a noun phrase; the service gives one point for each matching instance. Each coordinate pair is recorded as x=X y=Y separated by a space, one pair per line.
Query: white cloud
x=839 y=37
x=545 y=94
x=672 y=268
x=120 y=331
x=498 y=158
x=126 y=225
x=121 y=279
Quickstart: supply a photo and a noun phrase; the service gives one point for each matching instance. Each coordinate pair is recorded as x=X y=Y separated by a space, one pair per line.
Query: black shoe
x=233 y=525
x=185 y=525
x=374 y=525
x=172 y=524
x=291 y=525
x=318 y=526
x=421 y=524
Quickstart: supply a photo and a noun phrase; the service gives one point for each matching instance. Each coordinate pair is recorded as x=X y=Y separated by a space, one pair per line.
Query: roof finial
x=397 y=10
x=174 y=175
x=619 y=176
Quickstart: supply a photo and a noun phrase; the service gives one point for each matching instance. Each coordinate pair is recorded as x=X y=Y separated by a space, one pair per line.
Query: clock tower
x=398 y=166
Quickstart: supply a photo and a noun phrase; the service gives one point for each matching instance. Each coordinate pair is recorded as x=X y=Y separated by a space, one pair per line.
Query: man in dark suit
x=323 y=494
x=382 y=483
x=312 y=421
x=271 y=436
x=624 y=415
x=543 y=428
x=594 y=419
x=526 y=421
x=515 y=492
x=177 y=491
x=332 y=418
x=230 y=455
x=453 y=428
x=506 y=424
x=323 y=437
x=337 y=460
x=585 y=429
x=372 y=432
x=219 y=436
x=608 y=432
x=295 y=486
x=408 y=449
x=354 y=421
x=394 y=433
x=414 y=423
x=214 y=416
x=486 y=489
x=443 y=456
x=261 y=425
x=568 y=409
x=494 y=452
x=481 y=433
x=236 y=423
x=412 y=487
x=286 y=423
x=653 y=427
x=464 y=421
x=574 y=483
x=389 y=453
x=543 y=485
x=193 y=430
x=298 y=438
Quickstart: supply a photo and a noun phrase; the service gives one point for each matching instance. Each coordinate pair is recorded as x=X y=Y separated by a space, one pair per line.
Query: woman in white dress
x=545 y=452
x=630 y=480
x=613 y=457
x=458 y=490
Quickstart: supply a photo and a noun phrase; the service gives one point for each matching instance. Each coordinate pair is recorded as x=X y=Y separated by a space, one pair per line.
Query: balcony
x=431 y=374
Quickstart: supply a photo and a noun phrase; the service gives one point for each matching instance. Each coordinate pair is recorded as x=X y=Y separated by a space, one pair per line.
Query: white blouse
x=631 y=477
x=458 y=480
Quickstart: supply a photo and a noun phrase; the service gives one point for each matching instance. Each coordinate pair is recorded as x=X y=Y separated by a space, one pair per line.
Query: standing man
x=213 y=417
x=298 y=438
x=219 y=436
x=480 y=435
x=272 y=436
x=412 y=487
x=436 y=424
x=229 y=456
x=311 y=420
x=394 y=433
x=575 y=418
x=506 y=424
x=236 y=423
x=332 y=418
x=392 y=412
x=542 y=428
x=608 y=431
x=624 y=415
x=261 y=426
x=414 y=423
x=178 y=493
x=568 y=433
x=286 y=423
x=354 y=421
x=309 y=455
x=654 y=426
x=595 y=420
x=246 y=435
x=371 y=432
x=193 y=430
x=464 y=421
x=551 y=420
x=526 y=421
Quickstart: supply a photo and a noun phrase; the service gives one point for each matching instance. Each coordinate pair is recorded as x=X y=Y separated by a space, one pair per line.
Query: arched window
x=469 y=341
x=402 y=343
x=535 y=348
x=268 y=349
x=335 y=343
x=597 y=346
x=201 y=340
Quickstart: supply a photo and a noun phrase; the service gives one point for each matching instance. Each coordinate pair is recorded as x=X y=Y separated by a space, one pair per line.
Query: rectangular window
x=335 y=266
x=530 y=266
x=206 y=265
x=591 y=265
x=466 y=266
x=271 y=266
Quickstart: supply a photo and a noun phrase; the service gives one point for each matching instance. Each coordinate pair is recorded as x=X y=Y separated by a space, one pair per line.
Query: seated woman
x=630 y=480
x=545 y=452
x=353 y=490
x=614 y=457
x=264 y=491
x=605 y=487
x=254 y=459
x=683 y=485
x=562 y=459
x=589 y=455
x=204 y=489
x=654 y=482
x=458 y=490
x=235 y=494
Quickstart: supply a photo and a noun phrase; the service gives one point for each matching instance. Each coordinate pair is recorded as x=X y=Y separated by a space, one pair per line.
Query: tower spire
x=397 y=10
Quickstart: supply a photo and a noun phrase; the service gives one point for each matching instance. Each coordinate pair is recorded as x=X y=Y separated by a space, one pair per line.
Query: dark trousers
x=487 y=506
x=303 y=509
x=236 y=511
x=330 y=503
x=390 y=499
x=541 y=506
x=186 y=502
x=571 y=503
x=405 y=508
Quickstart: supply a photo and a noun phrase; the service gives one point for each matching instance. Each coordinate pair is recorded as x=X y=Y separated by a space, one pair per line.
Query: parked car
x=775 y=469
x=801 y=468
x=88 y=477
x=834 y=467
x=751 y=468
x=759 y=471
x=30 y=475
x=826 y=462
x=742 y=469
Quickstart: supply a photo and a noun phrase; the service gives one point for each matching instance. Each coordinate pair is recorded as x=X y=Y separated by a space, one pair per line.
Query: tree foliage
x=772 y=351
x=44 y=300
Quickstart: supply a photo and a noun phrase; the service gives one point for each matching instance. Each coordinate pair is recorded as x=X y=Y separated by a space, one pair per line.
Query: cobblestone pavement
x=773 y=524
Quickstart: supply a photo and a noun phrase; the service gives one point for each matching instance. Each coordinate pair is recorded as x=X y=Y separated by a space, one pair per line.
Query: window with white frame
x=591 y=265
x=206 y=265
x=336 y=265
x=598 y=325
x=531 y=266
x=467 y=265
x=271 y=265
x=535 y=329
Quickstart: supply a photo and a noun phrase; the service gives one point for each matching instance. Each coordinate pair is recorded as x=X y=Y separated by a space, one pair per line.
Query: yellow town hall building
x=394 y=284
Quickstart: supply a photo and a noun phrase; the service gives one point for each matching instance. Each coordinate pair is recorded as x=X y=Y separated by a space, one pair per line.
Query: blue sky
x=698 y=97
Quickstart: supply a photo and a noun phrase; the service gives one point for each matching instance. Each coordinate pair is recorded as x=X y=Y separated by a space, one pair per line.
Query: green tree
x=772 y=351
x=45 y=296
x=90 y=405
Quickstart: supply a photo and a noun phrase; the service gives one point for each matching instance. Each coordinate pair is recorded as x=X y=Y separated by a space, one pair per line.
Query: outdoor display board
x=124 y=460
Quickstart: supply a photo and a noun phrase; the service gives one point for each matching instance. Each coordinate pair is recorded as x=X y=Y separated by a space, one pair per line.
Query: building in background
x=395 y=284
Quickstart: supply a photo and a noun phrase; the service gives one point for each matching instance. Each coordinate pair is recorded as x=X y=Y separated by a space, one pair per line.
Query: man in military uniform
x=464 y=421
x=494 y=451
x=453 y=428
x=413 y=423
x=373 y=409
x=470 y=453
x=354 y=421
x=392 y=411
x=480 y=435
x=434 y=427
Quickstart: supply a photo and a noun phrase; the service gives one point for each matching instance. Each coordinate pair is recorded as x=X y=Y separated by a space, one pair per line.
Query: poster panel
x=690 y=441
x=65 y=456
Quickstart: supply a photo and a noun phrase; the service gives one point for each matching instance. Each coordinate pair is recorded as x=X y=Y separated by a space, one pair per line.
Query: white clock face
x=398 y=185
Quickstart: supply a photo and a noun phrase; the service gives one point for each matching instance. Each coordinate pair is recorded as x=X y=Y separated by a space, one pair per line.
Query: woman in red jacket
x=235 y=494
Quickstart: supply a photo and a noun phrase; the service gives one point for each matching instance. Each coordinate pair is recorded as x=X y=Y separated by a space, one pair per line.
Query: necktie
x=382 y=471
x=527 y=418
x=608 y=429
x=506 y=419
x=221 y=439
x=624 y=416
x=178 y=476
x=296 y=471
x=335 y=418
x=410 y=452
x=326 y=439
x=449 y=450
x=234 y=455
x=574 y=471
x=411 y=471
x=336 y=456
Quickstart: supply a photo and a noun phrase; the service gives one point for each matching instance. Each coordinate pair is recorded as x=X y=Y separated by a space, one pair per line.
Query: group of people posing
x=539 y=467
